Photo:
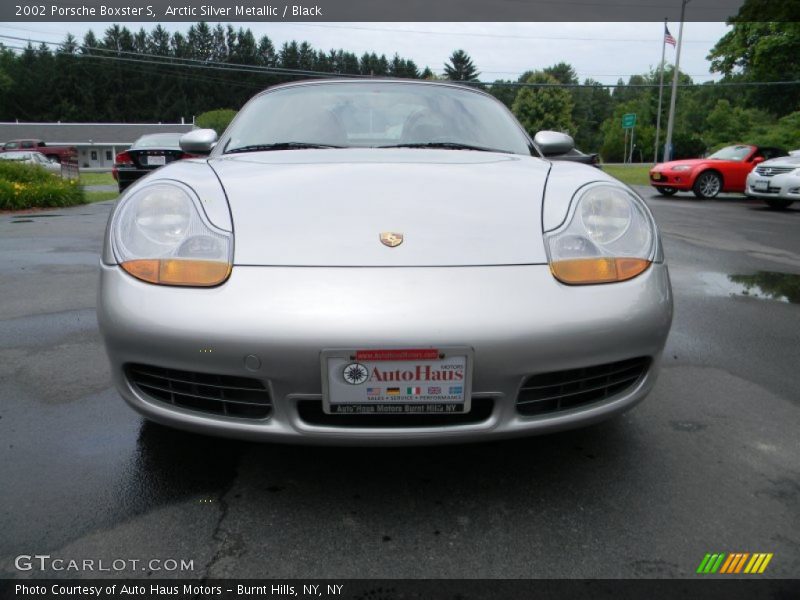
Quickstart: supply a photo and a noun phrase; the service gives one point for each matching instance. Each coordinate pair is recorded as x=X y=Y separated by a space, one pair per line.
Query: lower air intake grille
x=218 y=394
x=311 y=412
x=563 y=390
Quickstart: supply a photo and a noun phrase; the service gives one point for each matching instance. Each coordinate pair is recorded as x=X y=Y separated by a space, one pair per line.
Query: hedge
x=29 y=186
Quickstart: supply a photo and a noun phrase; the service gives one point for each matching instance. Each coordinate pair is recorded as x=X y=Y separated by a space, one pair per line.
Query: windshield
x=377 y=114
x=169 y=140
x=732 y=153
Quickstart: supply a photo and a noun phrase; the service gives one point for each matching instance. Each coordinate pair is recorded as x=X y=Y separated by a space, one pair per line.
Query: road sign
x=628 y=120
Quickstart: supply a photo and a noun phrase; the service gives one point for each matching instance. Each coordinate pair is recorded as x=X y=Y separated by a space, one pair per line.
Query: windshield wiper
x=445 y=145
x=279 y=146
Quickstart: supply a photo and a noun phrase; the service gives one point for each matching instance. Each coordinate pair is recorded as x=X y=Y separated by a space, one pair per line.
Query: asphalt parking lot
x=710 y=462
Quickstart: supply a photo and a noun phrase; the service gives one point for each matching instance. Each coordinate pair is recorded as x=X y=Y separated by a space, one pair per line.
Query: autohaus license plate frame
x=397 y=380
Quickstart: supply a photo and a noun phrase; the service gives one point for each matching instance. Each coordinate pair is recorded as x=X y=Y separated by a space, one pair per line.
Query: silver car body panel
x=518 y=319
x=328 y=207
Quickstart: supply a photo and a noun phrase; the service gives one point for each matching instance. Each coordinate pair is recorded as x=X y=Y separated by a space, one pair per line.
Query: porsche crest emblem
x=391 y=239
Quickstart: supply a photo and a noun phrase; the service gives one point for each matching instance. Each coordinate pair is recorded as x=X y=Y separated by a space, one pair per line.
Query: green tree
x=201 y=41
x=727 y=125
x=545 y=107
x=7 y=59
x=505 y=93
x=593 y=105
x=461 y=67
x=760 y=51
x=563 y=73
x=218 y=120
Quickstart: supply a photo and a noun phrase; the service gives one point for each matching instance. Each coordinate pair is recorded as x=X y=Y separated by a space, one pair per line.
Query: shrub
x=29 y=186
x=23 y=172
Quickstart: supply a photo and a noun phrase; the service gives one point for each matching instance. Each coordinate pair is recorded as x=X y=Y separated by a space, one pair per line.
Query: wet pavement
x=709 y=462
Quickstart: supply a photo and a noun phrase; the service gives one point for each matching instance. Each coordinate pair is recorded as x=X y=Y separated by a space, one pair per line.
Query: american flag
x=668 y=36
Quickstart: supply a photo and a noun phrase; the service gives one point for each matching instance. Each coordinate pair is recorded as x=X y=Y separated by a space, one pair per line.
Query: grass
x=630 y=174
x=100 y=196
x=97 y=179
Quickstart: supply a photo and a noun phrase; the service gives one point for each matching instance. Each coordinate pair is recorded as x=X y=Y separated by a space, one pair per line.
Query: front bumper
x=680 y=180
x=126 y=176
x=782 y=187
x=518 y=319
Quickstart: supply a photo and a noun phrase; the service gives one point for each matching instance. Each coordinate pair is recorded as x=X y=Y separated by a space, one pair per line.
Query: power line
x=191 y=62
x=308 y=72
x=153 y=70
x=233 y=68
x=256 y=69
x=588 y=76
x=499 y=35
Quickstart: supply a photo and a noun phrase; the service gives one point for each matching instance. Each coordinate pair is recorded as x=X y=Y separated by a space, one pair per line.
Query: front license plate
x=397 y=381
x=656 y=176
x=762 y=185
x=156 y=160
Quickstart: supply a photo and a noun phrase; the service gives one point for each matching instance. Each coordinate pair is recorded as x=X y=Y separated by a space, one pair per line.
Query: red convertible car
x=724 y=171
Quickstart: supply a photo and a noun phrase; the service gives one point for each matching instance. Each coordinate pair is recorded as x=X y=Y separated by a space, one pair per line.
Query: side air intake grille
x=217 y=394
x=563 y=390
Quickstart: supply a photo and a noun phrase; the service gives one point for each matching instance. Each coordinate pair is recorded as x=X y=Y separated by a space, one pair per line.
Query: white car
x=33 y=158
x=775 y=181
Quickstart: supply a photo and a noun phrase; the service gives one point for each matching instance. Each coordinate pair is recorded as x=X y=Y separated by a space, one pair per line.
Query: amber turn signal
x=197 y=273
x=597 y=270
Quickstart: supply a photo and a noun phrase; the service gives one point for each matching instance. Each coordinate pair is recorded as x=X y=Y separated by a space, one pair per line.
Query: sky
x=602 y=51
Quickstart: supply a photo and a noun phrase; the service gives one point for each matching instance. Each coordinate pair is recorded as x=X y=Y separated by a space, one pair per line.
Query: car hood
x=329 y=207
x=692 y=162
x=783 y=161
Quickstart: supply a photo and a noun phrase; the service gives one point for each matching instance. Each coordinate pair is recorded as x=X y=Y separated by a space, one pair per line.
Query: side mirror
x=757 y=160
x=553 y=142
x=199 y=141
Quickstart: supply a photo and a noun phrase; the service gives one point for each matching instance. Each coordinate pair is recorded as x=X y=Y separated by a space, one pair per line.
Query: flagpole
x=668 y=154
x=660 y=91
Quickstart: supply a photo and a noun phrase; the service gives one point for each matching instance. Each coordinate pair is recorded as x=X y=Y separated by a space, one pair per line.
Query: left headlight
x=608 y=236
x=160 y=234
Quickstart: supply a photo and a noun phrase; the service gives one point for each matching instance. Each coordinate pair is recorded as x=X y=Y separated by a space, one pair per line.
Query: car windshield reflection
x=374 y=115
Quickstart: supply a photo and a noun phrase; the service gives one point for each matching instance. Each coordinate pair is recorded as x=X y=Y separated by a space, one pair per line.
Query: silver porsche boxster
x=381 y=262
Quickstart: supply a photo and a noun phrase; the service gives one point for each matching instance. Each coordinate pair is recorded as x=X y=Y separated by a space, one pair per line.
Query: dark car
x=576 y=155
x=148 y=153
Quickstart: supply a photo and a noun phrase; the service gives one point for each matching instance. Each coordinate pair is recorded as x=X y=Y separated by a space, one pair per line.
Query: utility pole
x=660 y=91
x=668 y=154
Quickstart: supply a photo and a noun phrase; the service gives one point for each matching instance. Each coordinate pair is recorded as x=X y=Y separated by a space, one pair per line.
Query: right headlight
x=608 y=236
x=161 y=235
